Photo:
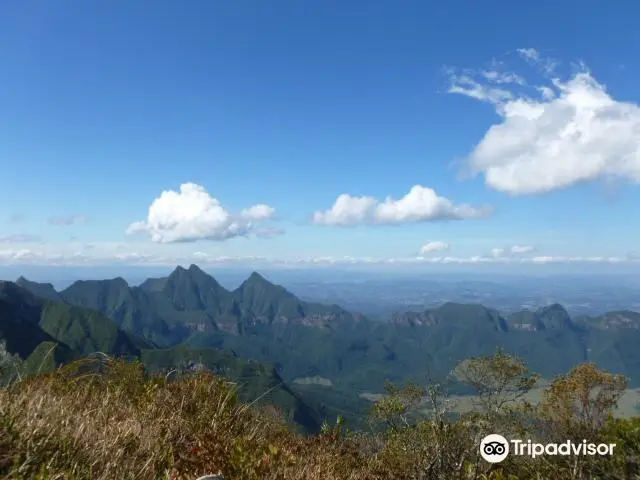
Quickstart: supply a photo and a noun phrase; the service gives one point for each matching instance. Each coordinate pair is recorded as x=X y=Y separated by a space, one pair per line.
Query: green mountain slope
x=130 y=308
x=87 y=331
x=44 y=334
x=19 y=320
x=42 y=290
x=28 y=320
x=265 y=322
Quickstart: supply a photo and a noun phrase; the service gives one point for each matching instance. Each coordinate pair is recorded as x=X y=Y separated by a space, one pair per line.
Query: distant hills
x=45 y=333
x=352 y=355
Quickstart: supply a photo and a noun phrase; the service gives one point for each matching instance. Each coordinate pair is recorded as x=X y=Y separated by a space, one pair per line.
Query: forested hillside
x=331 y=358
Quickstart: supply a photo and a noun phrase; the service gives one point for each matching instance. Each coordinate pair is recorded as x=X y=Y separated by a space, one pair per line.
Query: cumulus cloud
x=258 y=212
x=66 y=221
x=193 y=214
x=435 y=246
x=552 y=135
x=20 y=238
x=346 y=210
x=420 y=204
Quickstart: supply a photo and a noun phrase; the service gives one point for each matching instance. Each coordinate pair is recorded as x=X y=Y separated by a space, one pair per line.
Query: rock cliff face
x=414 y=319
x=621 y=319
x=453 y=314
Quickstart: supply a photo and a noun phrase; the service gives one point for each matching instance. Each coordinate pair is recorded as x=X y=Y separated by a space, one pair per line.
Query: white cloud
x=258 y=212
x=545 y=64
x=435 y=246
x=503 y=77
x=67 y=221
x=521 y=249
x=420 y=204
x=551 y=136
x=514 y=251
x=192 y=214
x=563 y=259
x=346 y=210
x=529 y=54
x=171 y=255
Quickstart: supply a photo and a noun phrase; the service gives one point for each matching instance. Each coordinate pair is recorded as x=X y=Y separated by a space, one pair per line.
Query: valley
x=325 y=360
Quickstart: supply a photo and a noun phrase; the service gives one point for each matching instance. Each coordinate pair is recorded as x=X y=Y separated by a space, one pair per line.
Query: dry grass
x=121 y=425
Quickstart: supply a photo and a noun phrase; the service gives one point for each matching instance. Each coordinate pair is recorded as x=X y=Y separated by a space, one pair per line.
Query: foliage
x=188 y=410
x=581 y=402
x=103 y=418
x=255 y=382
x=500 y=382
x=394 y=410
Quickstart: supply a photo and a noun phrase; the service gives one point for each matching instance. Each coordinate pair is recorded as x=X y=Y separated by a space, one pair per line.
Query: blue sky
x=515 y=126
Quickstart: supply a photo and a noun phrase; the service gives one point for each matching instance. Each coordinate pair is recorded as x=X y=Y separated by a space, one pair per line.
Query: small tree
x=578 y=406
x=500 y=380
x=395 y=408
x=581 y=402
x=625 y=433
x=421 y=440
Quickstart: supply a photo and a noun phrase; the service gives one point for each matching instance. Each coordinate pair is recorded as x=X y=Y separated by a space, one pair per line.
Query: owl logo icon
x=494 y=448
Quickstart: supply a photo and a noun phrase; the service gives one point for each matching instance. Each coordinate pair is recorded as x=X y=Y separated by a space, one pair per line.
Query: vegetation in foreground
x=110 y=419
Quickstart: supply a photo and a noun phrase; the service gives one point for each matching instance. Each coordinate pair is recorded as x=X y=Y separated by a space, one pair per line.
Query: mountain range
x=326 y=357
x=44 y=332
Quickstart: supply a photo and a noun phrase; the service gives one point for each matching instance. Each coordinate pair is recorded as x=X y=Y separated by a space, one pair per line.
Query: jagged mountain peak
x=258 y=287
x=193 y=268
x=119 y=281
x=25 y=281
x=193 y=273
x=11 y=288
x=259 y=298
x=191 y=289
x=178 y=271
x=553 y=308
x=554 y=317
x=256 y=279
x=43 y=290
x=10 y=291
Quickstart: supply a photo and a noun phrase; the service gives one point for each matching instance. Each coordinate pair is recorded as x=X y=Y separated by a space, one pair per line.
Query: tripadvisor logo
x=495 y=448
